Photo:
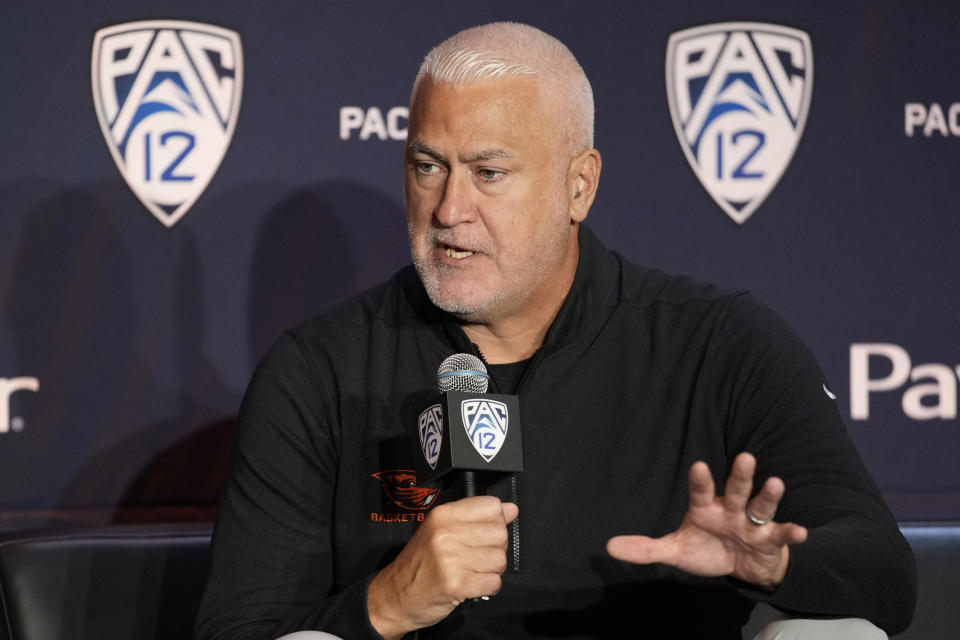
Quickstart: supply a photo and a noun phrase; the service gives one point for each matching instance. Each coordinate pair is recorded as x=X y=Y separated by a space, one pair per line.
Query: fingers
x=475 y=522
x=764 y=505
x=470 y=535
x=739 y=486
x=739 y=483
x=458 y=552
x=702 y=491
x=736 y=499
x=475 y=509
x=789 y=533
x=473 y=540
x=510 y=512
x=716 y=536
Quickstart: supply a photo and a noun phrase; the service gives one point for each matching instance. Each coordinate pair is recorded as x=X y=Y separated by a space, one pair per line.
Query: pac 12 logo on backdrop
x=167 y=95
x=739 y=93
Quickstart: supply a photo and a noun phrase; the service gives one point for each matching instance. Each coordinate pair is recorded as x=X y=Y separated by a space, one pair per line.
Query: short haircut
x=510 y=49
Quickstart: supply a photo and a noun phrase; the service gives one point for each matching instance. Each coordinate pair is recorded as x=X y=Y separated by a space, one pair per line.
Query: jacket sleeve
x=774 y=402
x=271 y=567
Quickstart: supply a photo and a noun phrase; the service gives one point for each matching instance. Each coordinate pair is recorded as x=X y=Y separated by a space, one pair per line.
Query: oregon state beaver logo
x=400 y=485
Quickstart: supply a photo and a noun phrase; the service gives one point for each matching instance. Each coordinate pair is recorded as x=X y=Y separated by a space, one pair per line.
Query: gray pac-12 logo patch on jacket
x=739 y=93
x=167 y=96
x=430 y=427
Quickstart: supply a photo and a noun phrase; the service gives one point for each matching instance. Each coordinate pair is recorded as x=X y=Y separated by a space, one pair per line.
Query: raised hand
x=459 y=552
x=719 y=536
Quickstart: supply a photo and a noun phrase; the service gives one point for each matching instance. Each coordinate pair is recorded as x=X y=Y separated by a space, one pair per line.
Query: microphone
x=464 y=372
x=469 y=434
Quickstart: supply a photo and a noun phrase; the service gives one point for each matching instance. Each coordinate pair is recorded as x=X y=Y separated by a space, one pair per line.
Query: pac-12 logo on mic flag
x=739 y=93
x=430 y=425
x=485 y=422
x=167 y=96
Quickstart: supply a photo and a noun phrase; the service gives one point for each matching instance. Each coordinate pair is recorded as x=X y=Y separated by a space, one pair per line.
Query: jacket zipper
x=515 y=525
x=514 y=478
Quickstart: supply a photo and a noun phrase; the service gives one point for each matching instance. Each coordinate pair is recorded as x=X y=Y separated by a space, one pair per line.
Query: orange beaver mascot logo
x=400 y=485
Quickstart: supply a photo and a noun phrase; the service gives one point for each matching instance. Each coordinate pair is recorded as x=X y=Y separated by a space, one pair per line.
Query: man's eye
x=426 y=168
x=489 y=174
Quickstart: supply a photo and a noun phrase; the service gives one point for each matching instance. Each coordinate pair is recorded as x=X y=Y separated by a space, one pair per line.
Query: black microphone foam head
x=463 y=372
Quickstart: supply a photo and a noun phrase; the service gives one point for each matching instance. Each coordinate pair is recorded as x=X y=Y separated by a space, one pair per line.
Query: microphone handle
x=470 y=485
x=467 y=485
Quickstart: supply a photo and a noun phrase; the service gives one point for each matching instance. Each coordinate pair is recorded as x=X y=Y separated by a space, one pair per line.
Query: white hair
x=510 y=49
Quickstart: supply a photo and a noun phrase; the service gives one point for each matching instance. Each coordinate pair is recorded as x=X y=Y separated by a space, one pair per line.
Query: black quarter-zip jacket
x=640 y=375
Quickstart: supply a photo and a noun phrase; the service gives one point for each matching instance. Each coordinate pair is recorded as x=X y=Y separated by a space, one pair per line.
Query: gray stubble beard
x=430 y=275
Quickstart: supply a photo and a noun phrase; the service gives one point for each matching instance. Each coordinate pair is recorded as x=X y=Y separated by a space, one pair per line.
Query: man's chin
x=458 y=298
x=464 y=312
x=472 y=311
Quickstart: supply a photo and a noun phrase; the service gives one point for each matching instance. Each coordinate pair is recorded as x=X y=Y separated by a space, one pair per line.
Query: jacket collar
x=593 y=293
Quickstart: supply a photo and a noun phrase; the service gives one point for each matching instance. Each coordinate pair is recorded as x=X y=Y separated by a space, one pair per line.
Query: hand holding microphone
x=458 y=553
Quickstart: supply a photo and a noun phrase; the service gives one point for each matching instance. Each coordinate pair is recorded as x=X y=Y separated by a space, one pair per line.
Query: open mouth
x=458 y=254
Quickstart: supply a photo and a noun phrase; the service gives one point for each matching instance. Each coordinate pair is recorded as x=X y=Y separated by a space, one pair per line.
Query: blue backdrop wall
x=143 y=274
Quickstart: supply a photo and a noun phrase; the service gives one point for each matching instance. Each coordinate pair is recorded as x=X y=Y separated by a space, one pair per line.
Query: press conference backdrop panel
x=180 y=181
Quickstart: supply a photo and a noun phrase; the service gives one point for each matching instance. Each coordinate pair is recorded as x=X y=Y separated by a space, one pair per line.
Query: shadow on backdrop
x=72 y=314
x=183 y=480
x=308 y=255
x=92 y=450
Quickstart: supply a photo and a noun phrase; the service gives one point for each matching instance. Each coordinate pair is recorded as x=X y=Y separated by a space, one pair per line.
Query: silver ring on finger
x=755 y=520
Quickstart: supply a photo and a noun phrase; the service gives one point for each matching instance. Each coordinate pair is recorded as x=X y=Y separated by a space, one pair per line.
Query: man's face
x=489 y=220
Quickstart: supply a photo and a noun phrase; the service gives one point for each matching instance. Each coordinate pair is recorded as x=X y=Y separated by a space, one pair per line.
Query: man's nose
x=457 y=204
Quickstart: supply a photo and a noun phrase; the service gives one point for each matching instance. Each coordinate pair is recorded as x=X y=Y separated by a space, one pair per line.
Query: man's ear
x=582 y=181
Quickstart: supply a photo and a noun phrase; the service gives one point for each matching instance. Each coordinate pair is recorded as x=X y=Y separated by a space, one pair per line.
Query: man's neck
x=517 y=334
x=515 y=337
x=501 y=345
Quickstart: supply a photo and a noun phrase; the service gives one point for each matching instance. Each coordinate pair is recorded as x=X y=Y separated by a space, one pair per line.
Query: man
x=640 y=393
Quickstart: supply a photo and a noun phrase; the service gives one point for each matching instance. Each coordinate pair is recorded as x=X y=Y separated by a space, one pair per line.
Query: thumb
x=510 y=511
x=638 y=549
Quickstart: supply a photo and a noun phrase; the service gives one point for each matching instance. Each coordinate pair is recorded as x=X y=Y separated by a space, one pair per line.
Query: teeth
x=453 y=253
